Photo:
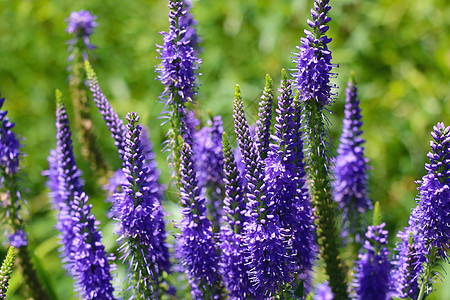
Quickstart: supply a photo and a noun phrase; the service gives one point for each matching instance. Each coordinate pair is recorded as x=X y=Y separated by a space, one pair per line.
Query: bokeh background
x=398 y=49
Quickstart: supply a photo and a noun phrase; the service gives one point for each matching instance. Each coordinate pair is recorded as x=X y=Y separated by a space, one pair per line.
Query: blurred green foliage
x=399 y=50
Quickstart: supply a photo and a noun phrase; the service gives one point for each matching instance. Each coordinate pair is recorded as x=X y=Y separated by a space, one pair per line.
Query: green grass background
x=399 y=50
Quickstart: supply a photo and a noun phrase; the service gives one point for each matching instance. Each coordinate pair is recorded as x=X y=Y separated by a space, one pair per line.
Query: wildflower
x=312 y=79
x=197 y=249
x=285 y=178
x=351 y=166
x=139 y=214
x=373 y=267
x=233 y=268
x=407 y=267
x=84 y=255
x=82 y=24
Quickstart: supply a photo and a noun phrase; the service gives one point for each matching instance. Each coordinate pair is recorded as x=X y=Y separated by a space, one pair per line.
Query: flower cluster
x=373 y=267
x=314 y=65
x=177 y=71
x=139 y=211
x=84 y=255
x=197 y=248
x=351 y=166
x=82 y=24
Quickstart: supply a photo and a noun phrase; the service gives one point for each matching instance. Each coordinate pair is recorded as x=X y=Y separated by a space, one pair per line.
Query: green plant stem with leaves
x=325 y=207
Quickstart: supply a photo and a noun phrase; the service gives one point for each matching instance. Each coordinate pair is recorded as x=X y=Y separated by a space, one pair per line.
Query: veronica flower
x=372 y=270
x=177 y=71
x=262 y=132
x=81 y=24
x=267 y=250
x=85 y=257
x=430 y=217
x=323 y=292
x=197 y=249
x=312 y=79
x=285 y=178
x=139 y=212
x=112 y=120
x=351 y=166
x=5 y=272
x=232 y=264
x=407 y=267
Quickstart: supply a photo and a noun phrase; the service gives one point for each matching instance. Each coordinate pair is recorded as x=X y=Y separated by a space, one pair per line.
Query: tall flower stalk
x=312 y=78
x=351 y=175
x=233 y=267
x=141 y=227
x=197 y=248
x=262 y=131
x=11 y=212
x=83 y=253
x=430 y=217
x=286 y=179
x=267 y=253
x=81 y=24
x=178 y=73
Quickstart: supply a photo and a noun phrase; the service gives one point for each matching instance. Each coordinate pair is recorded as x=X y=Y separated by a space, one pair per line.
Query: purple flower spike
x=233 y=268
x=373 y=267
x=323 y=292
x=286 y=179
x=351 y=166
x=407 y=267
x=90 y=264
x=18 y=239
x=83 y=251
x=140 y=215
x=177 y=71
x=112 y=120
x=430 y=218
x=314 y=65
x=197 y=248
x=9 y=144
x=82 y=24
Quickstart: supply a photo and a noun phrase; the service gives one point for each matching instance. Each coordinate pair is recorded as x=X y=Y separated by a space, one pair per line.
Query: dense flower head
x=430 y=218
x=82 y=24
x=9 y=144
x=372 y=269
x=254 y=169
x=89 y=261
x=82 y=250
x=188 y=22
x=197 y=249
x=140 y=216
x=177 y=71
x=350 y=182
x=233 y=268
x=285 y=178
x=314 y=65
x=271 y=266
x=407 y=265
x=18 y=239
x=5 y=272
x=112 y=120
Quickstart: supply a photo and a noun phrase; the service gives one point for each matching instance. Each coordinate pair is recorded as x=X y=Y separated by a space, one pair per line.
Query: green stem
x=326 y=210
